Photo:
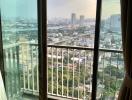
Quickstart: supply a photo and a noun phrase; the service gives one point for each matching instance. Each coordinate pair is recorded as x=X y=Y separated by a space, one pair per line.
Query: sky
x=19 y=8
x=64 y=8
x=58 y=8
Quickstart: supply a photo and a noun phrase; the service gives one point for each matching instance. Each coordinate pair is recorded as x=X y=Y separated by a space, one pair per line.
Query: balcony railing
x=69 y=71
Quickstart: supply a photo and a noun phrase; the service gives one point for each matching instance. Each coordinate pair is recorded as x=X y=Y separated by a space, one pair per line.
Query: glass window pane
x=20 y=49
x=71 y=31
x=110 y=66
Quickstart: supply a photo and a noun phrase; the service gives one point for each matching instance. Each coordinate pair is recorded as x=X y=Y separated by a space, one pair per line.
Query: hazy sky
x=58 y=8
x=110 y=7
x=19 y=8
x=64 y=8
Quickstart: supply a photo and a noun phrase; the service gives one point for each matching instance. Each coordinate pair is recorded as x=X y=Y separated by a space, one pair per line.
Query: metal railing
x=69 y=71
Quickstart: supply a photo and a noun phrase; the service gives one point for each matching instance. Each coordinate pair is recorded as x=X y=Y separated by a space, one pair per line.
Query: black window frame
x=42 y=44
x=1 y=53
x=96 y=49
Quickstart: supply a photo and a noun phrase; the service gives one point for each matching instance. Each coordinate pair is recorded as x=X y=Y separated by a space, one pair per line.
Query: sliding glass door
x=110 y=66
x=20 y=48
x=79 y=49
x=70 y=39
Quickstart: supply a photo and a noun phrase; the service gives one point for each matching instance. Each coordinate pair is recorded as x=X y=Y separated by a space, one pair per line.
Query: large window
x=71 y=32
x=71 y=23
x=110 y=66
x=20 y=36
x=83 y=52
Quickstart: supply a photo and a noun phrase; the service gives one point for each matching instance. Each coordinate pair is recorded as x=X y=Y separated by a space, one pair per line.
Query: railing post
x=18 y=66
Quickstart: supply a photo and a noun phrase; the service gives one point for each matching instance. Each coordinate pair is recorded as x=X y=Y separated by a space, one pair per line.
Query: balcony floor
x=30 y=97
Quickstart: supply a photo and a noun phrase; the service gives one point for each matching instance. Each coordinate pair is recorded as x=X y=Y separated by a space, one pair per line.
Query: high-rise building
x=113 y=23
x=73 y=18
x=81 y=21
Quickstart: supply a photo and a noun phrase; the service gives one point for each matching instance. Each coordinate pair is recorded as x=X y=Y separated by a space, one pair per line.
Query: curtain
x=2 y=89
x=126 y=24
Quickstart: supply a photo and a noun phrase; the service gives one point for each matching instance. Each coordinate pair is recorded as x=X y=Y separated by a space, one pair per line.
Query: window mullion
x=42 y=43
x=1 y=53
x=96 y=49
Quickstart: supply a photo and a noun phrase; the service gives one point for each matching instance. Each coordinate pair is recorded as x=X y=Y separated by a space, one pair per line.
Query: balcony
x=69 y=72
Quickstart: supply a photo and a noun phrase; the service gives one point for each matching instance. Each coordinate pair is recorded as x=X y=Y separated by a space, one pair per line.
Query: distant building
x=73 y=18
x=113 y=23
x=81 y=21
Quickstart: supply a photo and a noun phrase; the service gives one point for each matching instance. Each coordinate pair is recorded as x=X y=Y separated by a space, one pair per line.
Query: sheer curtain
x=2 y=89
x=126 y=19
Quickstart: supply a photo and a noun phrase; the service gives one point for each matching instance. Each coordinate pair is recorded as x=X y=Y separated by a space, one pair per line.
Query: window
x=79 y=52
x=110 y=66
x=71 y=32
x=20 y=49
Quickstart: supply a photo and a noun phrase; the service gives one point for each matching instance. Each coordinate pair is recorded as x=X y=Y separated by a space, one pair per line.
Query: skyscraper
x=73 y=18
x=81 y=21
x=113 y=23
